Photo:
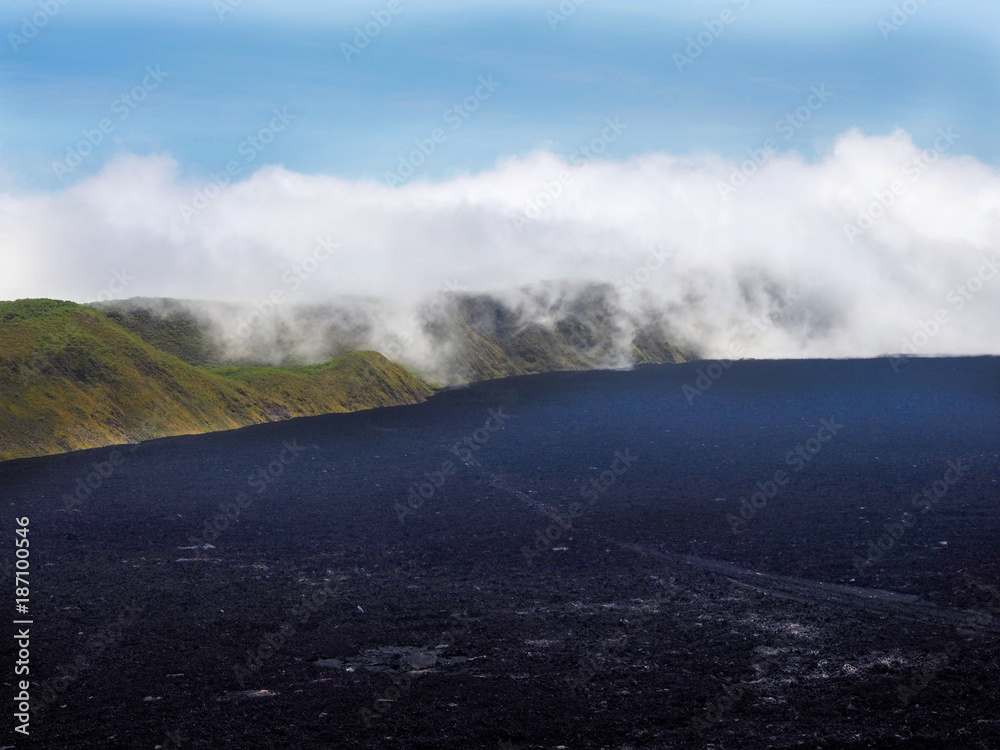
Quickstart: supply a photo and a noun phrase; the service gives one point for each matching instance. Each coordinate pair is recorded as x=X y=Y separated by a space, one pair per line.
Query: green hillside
x=71 y=378
x=166 y=325
x=359 y=380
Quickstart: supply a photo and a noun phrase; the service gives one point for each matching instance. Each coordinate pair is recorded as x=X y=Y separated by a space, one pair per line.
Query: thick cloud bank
x=879 y=247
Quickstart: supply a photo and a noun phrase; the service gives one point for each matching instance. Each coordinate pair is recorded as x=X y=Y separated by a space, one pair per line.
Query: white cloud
x=780 y=236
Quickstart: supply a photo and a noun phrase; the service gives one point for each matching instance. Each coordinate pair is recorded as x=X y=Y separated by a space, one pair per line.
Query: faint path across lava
x=907 y=606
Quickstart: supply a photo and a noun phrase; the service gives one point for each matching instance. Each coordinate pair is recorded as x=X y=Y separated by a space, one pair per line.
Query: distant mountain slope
x=169 y=326
x=70 y=378
x=227 y=334
x=467 y=337
x=488 y=337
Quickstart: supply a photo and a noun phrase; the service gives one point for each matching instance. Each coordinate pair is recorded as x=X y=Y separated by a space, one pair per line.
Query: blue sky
x=557 y=86
x=851 y=212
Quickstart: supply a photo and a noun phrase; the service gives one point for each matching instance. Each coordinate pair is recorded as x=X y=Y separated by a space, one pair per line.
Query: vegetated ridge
x=71 y=378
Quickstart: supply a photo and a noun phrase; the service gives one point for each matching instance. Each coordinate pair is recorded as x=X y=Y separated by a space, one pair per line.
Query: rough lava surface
x=766 y=555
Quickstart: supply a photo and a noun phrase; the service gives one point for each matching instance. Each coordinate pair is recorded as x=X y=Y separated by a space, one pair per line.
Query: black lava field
x=798 y=554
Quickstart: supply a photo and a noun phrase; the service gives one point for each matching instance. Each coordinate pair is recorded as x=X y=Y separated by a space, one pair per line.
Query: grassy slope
x=70 y=378
x=359 y=380
x=174 y=330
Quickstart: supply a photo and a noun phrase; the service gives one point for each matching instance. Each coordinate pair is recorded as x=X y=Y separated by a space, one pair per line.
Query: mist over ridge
x=454 y=338
x=878 y=247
